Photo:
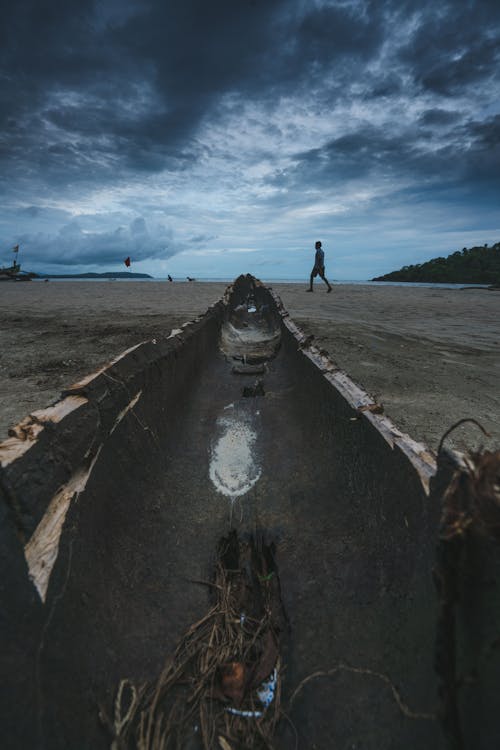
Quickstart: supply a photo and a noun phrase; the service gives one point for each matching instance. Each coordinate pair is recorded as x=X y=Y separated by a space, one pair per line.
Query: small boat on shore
x=14 y=273
x=219 y=540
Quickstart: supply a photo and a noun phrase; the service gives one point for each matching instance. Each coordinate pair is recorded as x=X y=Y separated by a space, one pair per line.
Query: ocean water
x=227 y=280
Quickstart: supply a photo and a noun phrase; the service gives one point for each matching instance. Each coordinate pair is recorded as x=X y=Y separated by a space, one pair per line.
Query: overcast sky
x=213 y=137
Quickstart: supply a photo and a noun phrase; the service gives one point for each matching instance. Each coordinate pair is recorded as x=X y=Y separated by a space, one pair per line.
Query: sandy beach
x=430 y=356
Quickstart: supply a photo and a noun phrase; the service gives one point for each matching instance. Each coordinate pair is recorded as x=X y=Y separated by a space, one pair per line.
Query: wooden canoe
x=114 y=499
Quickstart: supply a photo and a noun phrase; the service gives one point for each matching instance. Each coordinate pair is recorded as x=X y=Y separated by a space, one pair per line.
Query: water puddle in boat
x=234 y=463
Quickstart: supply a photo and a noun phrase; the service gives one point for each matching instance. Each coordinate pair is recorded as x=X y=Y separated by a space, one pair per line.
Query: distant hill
x=105 y=275
x=476 y=265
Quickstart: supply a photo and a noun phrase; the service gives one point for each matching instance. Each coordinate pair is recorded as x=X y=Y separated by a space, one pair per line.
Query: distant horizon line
x=227 y=280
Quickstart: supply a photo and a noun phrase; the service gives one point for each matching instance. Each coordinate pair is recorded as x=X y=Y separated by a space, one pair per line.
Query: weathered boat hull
x=114 y=500
x=14 y=273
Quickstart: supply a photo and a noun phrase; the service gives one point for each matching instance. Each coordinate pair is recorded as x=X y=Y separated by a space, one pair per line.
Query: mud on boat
x=361 y=577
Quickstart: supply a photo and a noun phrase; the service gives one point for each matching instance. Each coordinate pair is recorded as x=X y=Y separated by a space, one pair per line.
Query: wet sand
x=430 y=356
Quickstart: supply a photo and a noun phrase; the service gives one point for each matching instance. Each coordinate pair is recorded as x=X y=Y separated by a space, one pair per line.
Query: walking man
x=319 y=268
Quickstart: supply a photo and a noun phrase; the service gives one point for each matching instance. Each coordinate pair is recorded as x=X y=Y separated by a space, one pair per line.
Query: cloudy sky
x=213 y=137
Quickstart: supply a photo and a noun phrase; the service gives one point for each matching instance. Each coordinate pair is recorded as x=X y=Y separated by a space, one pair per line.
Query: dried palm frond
x=221 y=689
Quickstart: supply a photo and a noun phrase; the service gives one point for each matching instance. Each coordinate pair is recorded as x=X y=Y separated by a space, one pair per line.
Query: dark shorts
x=318 y=271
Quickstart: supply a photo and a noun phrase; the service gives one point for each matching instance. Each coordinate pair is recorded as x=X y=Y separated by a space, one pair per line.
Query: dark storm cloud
x=470 y=153
x=439 y=117
x=83 y=99
x=487 y=132
x=82 y=83
x=377 y=86
x=45 y=45
x=333 y=31
x=482 y=158
x=99 y=95
x=74 y=103
x=199 y=50
x=454 y=45
x=351 y=157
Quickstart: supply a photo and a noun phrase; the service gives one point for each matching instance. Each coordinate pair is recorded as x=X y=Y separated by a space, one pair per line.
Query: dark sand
x=430 y=356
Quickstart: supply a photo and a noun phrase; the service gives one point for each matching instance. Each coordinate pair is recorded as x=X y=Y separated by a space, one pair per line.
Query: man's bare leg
x=326 y=282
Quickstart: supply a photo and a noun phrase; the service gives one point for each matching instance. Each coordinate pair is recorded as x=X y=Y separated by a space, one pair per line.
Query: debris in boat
x=472 y=500
x=267 y=690
x=249 y=369
x=251 y=391
x=365 y=671
x=233 y=466
x=224 y=679
x=471 y=508
x=232 y=680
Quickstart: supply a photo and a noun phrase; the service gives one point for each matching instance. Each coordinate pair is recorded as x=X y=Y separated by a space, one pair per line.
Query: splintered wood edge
x=25 y=434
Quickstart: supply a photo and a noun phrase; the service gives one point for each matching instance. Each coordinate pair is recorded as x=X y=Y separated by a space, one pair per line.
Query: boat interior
x=233 y=424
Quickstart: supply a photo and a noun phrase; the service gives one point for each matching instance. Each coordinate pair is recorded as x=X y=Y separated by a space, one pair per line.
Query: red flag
x=127 y=261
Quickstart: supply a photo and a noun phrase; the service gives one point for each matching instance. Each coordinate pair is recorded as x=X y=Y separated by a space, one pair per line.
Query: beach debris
x=232 y=680
x=223 y=682
x=267 y=690
x=472 y=500
x=251 y=391
x=471 y=509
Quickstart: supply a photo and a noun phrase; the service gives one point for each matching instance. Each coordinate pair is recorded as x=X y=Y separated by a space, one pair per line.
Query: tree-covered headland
x=475 y=265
